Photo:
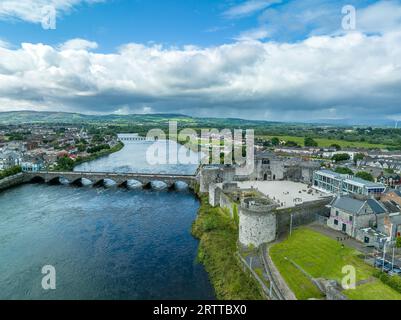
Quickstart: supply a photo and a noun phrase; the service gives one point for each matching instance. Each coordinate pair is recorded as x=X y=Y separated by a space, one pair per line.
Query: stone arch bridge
x=121 y=179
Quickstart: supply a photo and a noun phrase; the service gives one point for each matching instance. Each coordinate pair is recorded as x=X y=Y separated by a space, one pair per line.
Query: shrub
x=392 y=281
x=10 y=172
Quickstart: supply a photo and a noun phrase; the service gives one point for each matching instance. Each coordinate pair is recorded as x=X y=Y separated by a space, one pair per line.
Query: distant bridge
x=127 y=137
x=121 y=179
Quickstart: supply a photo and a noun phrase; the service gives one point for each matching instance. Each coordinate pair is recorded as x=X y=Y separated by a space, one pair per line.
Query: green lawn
x=324 y=142
x=322 y=257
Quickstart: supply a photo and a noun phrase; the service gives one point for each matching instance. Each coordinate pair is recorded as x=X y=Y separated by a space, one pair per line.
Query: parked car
x=387 y=265
x=395 y=272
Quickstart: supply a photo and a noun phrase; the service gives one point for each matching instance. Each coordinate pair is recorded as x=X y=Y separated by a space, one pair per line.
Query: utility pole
x=392 y=261
x=291 y=226
x=384 y=255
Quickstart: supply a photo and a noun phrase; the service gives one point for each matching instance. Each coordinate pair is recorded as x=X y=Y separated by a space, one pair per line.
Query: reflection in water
x=132 y=158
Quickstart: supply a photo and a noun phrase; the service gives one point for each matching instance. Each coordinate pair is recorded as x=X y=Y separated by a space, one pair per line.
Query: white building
x=332 y=182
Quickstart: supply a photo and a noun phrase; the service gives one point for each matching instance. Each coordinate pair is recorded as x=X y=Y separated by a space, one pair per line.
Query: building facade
x=332 y=182
x=348 y=214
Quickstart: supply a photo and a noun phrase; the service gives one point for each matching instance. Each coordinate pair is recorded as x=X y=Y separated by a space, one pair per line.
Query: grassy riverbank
x=218 y=235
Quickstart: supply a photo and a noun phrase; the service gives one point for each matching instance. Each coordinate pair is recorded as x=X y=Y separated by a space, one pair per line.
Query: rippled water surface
x=104 y=243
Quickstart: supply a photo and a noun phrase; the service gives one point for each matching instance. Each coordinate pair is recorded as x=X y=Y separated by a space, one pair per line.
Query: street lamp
x=384 y=254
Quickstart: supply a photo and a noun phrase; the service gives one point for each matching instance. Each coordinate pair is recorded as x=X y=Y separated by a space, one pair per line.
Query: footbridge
x=121 y=179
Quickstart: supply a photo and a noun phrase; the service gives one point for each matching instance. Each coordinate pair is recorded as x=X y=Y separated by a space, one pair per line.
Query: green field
x=322 y=257
x=324 y=142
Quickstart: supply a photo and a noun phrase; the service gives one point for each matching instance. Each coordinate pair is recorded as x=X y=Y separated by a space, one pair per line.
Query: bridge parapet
x=118 y=178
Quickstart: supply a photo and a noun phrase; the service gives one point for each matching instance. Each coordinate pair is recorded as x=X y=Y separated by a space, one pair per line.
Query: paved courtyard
x=288 y=193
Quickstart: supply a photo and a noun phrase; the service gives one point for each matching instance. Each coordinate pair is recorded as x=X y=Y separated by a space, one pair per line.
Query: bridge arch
x=132 y=184
x=81 y=182
x=179 y=186
x=58 y=181
x=105 y=183
x=37 y=179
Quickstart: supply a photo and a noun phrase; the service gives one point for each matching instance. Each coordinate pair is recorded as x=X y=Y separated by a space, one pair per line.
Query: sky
x=282 y=60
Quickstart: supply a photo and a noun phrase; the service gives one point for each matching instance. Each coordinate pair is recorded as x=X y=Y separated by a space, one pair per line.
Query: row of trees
x=361 y=174
x=10 y=172
x=308 y=142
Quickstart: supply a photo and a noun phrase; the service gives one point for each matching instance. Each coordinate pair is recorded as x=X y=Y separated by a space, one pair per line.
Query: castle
x=269 y=201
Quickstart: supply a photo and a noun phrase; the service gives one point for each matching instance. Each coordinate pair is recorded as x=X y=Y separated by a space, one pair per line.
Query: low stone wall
x=278 y=279
x=12 y=181
x=227 y=203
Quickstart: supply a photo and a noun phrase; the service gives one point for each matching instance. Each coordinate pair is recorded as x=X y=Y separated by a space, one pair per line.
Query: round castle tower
x=257 y=221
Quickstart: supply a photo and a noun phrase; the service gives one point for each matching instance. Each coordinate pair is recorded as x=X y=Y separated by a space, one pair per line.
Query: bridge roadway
x=119 y=178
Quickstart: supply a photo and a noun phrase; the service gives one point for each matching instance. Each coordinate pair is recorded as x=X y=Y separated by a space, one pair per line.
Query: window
x=337 y=213
x=351 y=218
x=336 y=222
x=366 y=240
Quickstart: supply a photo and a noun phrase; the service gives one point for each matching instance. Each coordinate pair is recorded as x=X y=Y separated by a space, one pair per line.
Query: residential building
x=349 y=214
x=393 y=196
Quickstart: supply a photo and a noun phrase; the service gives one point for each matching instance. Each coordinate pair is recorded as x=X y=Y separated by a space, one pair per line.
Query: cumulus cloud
x=321 y=77
x=78 y=44
x=33 y=10
x=294 y=20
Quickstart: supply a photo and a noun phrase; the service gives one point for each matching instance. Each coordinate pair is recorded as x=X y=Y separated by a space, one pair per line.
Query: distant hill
x=24 y=117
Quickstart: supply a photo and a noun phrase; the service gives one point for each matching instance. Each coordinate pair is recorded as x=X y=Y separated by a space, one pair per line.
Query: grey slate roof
x=354 y=206
x=391 y=206
x=348 y=204
x=376 y=206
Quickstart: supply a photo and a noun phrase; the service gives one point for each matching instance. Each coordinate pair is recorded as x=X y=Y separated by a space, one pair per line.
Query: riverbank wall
x=12 y=181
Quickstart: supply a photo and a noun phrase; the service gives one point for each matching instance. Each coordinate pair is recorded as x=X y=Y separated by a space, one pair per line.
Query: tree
x=10 y=172
x=275 y=141
x=290 y=143
x=341 y=157
x=309 y=142
x=358 y=157
x=398 y=242
x=336 y=146
x=343 y=170
x=65 y=164
x=365 y=176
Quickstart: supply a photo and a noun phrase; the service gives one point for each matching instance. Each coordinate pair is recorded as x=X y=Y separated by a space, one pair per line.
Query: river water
x=104 y=243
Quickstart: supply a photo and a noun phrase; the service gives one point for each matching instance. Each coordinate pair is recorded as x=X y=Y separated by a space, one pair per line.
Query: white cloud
x=349 y=75
x=259 y=33
x=78 y=44
x=382 y=16
x=32 y=10
x=248 y=7
x=4 y=44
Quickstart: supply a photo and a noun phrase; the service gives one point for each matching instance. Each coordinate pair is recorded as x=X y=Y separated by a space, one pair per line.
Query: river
x=104 y=243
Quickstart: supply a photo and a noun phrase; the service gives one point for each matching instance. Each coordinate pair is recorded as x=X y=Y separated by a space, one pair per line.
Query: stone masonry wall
x=302 y=214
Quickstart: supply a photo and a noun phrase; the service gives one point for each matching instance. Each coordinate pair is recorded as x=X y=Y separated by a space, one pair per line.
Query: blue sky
x=116 y=22
x=259 y=59
x=112 y=23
